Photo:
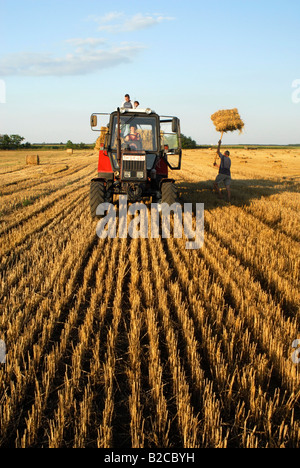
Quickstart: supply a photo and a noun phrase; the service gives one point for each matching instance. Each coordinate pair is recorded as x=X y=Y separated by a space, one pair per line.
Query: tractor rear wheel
x=97 y=195
x=169 y=193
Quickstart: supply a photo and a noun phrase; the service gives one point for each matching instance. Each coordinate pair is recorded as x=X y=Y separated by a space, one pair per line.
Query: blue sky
x=62 y=60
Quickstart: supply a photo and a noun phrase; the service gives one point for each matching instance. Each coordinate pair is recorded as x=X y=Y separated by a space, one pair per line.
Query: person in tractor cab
x=134 y=139
x=224 y=175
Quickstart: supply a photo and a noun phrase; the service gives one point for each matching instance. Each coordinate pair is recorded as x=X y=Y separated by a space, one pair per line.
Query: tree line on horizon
x=12 y=142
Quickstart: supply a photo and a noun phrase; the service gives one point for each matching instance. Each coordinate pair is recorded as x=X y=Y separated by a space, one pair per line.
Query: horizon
x=198 y=145
x=63 y=60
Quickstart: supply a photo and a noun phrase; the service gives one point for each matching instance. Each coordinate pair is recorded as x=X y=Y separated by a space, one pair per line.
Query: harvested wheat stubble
x=227 y=120
x=33 y=159
x=194 y=352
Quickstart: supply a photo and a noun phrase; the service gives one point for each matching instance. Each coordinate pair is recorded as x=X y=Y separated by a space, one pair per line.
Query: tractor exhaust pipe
x=118 y=138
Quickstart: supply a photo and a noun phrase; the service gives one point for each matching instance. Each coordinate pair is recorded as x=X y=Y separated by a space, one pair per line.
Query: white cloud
x=119 y=22
x=84 y=45
x=92 y=60
x=111 y=16
x=87 y=55
x=140 y=21
x=89 y=41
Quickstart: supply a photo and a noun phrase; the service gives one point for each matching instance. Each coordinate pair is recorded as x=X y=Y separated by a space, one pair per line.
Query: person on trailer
x=127 y=104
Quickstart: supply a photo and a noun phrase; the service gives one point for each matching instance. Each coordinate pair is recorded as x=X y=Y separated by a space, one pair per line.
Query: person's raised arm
x=218 y=152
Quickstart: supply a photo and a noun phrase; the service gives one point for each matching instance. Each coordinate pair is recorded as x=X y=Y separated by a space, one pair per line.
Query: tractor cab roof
x=124 y=110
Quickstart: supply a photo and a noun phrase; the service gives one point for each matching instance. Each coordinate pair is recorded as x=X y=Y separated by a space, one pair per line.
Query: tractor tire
x=97 y=196
x=169 y=193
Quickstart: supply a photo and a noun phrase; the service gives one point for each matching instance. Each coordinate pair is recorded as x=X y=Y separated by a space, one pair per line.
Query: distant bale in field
x=33 y=159
x=70 y=150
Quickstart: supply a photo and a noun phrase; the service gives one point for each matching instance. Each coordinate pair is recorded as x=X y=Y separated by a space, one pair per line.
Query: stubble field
x=141 y=342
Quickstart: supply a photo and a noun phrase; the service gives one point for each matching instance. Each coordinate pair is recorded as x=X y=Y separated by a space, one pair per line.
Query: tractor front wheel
x=97 y=196
x=169 y=193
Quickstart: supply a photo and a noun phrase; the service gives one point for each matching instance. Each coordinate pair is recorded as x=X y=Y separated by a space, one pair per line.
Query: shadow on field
x=242 y=191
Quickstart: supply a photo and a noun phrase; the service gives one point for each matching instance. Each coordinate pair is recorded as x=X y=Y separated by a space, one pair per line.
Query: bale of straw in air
x=33 y=159
x=227 y=120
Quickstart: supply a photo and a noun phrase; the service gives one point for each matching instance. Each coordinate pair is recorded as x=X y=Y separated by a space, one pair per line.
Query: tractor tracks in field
x=49 y=201
x=19 y=236
x=29 y=183
x=229 y=333
x=272 y=259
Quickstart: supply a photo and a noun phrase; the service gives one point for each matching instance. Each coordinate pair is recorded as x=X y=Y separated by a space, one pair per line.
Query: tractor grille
x=134 y=166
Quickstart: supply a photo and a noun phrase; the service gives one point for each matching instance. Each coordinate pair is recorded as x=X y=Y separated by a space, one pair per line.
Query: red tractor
x=137 y=149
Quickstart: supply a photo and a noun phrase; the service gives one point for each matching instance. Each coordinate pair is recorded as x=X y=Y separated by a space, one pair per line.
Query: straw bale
x=227 y=120
x=100 y=140
x=33 y=159
x=97 y=144
x=70 y=150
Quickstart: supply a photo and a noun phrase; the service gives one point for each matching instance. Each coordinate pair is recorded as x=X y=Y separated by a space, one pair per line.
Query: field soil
x=141 y=342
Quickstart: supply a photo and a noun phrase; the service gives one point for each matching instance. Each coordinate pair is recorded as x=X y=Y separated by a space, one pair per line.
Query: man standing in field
x=224 y=172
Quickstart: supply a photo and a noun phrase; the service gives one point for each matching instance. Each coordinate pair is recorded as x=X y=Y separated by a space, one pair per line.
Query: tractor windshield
x=138 y=133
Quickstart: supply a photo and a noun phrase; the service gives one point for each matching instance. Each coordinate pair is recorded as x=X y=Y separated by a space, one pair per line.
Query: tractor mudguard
x=99 y=179
x=104 y=165
x=165 y=180
x=161 y=167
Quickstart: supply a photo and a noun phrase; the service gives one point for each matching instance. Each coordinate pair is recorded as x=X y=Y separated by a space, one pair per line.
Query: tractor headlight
x=140 y=175
x=127 y=174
